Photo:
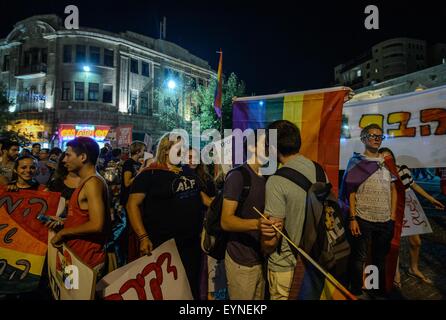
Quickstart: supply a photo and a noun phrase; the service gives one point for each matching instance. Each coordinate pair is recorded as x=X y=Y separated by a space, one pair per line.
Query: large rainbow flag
x=23 y=238
x=317 y=113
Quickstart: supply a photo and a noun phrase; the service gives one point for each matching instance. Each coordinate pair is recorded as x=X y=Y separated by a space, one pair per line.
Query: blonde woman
x=165 y=203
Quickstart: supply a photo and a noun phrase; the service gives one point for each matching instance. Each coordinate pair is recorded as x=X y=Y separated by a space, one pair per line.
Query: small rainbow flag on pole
x=218 y=89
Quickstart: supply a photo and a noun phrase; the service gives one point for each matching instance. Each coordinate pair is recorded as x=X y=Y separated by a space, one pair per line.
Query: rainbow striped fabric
x=23 y=245
x=318 y=114
x=311 y=284
x=218 y=89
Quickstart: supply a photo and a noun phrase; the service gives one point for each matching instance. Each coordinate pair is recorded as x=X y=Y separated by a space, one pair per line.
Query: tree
x=169 y=102
x=204 y=101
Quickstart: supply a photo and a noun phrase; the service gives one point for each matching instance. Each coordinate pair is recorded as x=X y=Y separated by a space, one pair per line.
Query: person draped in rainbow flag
x=372 y=197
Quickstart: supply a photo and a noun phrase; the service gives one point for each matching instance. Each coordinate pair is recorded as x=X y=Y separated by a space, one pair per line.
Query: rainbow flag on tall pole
x=218 y=89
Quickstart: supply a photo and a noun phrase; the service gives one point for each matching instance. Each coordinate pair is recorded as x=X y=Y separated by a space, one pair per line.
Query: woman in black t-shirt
x=169 y=197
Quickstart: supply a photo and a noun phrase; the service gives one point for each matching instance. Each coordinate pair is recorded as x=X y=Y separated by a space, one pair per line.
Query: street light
x=171 y=84
x=86 y=68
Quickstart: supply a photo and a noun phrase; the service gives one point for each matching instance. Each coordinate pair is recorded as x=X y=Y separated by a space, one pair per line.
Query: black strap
x=320 y=174
x=303 y=182
x=299 y=179
x=246 y=186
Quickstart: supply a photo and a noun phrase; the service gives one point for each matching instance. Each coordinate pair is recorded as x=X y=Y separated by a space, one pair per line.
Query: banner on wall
x=414 y=124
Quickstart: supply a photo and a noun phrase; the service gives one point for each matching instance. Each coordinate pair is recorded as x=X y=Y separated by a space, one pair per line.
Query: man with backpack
x=286 y=203
x=244 y=189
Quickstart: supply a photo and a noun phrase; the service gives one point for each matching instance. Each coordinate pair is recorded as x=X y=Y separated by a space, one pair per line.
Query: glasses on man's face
x=375 y=136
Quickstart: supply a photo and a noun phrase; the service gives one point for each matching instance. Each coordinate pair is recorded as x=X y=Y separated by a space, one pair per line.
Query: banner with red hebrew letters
x=23 y=238
x=160 y=276
x=414 y=124
x=415 y=220
x=69 y=277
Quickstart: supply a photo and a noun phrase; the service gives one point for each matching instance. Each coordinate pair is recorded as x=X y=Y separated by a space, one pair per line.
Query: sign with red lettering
x=23 y=238
x=160 y=276
x=124 y=136
x=414 y=125
x=69 y=277
x=69 y=131
x=415 y=220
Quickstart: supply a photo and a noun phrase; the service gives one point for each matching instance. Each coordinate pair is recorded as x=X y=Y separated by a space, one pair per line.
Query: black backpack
x=213 y=237
x=323 y=234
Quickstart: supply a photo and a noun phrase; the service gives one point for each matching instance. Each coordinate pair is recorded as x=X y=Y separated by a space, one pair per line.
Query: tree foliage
x=204 y=101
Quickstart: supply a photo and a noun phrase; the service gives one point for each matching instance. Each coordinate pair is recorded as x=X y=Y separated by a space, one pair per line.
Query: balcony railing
x=30 y=107
x=32 y=71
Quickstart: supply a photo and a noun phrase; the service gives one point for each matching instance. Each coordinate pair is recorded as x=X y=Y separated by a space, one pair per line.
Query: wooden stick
x=314 y=263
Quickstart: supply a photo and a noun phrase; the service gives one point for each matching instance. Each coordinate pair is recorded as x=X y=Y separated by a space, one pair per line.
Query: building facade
x=58 y=78
x=389 y=59
x=424 y=79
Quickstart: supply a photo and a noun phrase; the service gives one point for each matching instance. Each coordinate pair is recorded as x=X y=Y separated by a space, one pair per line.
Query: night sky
x=273 y=46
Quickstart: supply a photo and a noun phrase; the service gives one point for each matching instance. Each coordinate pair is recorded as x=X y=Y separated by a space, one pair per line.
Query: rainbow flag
x=23 y=244
x=218 y=89
x=311 y=284
x=317 y=113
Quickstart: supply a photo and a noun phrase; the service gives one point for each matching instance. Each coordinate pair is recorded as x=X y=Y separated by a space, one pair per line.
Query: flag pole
x=221 y=75
x=314 y=263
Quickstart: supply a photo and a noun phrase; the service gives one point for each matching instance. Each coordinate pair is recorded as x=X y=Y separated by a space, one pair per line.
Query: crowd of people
x=116 y=207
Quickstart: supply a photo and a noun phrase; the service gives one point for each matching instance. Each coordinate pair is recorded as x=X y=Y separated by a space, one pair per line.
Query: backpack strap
x=303 y=182
x=320 y=174
x=246 y=183
x=295 y=176
x=299 y=179
x=246 y=186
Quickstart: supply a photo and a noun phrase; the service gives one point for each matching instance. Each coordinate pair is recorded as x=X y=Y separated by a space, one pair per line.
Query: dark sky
x=273 y=46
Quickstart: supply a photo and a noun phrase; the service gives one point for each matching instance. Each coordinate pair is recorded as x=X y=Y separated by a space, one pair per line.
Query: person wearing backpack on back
x=285 y=203
x=244 y=260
